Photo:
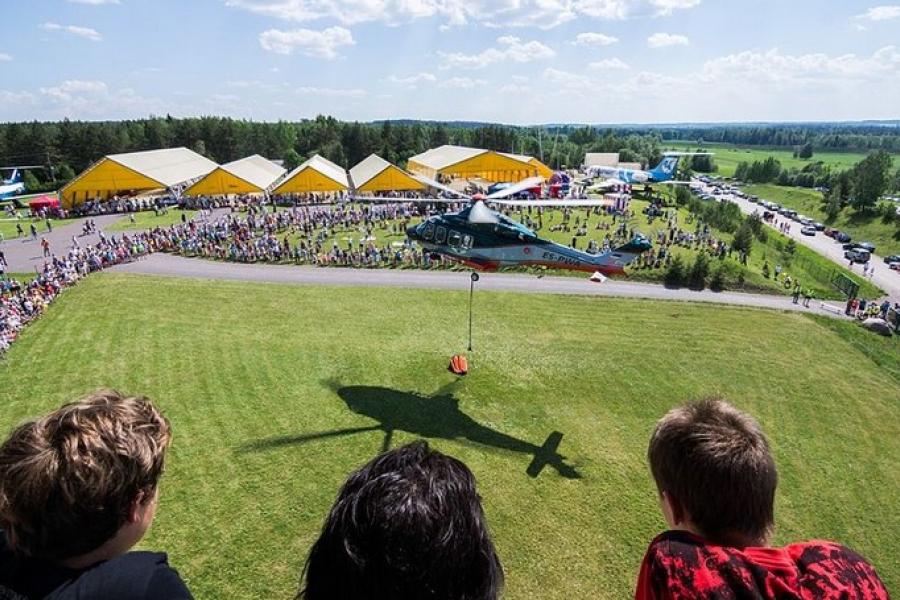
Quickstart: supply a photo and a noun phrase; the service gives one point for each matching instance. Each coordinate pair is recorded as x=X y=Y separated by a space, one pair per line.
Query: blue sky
x=512 y=61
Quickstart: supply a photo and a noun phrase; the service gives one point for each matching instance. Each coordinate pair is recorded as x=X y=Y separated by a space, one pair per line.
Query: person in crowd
x=716 y=479
x=407 y=525
x=78 y=489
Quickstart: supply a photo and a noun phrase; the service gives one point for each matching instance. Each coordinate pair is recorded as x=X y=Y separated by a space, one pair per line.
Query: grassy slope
x=809 y=202
x=233 y=364
x=148 y=220
x=728 y=156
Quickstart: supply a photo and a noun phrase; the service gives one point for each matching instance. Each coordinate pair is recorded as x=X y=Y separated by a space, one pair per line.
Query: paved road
x=883 y=277
x=24 y=255
x=177 y=266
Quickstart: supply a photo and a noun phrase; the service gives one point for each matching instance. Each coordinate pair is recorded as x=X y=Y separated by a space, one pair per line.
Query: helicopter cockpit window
x=455 y=238
x=467 y=241
x=429 y=231
x=440 y=235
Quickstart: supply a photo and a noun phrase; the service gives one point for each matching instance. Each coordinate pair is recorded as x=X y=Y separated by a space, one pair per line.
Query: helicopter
x=486 y=240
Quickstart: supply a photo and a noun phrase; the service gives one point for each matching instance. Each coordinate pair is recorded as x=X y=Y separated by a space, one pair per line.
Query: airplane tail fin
x=665 y=170
x=15 y=177
x=618 y=258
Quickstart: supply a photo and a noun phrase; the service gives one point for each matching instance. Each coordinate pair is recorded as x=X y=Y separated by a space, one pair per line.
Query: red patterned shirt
x=681 y=566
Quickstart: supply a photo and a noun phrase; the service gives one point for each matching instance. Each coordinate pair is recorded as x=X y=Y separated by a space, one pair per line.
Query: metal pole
x=472 y=279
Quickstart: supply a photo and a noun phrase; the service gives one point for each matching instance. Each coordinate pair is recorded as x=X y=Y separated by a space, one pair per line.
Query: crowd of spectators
x=22 y=301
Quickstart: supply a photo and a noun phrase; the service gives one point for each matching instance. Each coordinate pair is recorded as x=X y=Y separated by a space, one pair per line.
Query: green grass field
x=8 y=227
x=863 y=228
x=148 y=220
x=243 y=369
x=728 y=156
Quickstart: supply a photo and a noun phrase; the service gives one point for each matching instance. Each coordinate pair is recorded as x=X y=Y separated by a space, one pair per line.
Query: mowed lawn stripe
x=243 y=369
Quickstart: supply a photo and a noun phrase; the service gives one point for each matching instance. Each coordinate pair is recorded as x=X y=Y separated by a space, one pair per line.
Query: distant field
x=727 y=156
x=243 y=370
x=809 y=202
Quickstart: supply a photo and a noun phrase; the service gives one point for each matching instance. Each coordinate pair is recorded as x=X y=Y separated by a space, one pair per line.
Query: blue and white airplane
x=14 y=185
x=664 y=172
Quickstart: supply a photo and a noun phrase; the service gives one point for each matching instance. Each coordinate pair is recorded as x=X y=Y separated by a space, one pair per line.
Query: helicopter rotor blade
x=439 y=186
x=525 y=184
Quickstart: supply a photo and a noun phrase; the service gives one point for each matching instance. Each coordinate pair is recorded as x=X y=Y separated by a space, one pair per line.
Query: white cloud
x=331 y=92
x=74 y=87
x=4 y=57
x=819 y=69
x=461 y=83
x=594 y=39
x=308 y=42
x=667 y=7
x=662 y=40
x=84 y=32
x=94 y=2
x=881 y=13
x=412 y=80
x=545 y=14
x=510 y=48
x=615 y=64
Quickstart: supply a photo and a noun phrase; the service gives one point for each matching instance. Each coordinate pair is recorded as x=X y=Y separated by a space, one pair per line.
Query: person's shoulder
x=836 y=571
x=138 y=575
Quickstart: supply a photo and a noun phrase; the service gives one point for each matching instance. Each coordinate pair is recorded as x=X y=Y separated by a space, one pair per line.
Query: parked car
x=895 y=266
x=849 y=246
x=857 y=256
x=842 y=237
x=892 y=258
x=831 y=232
x=819 y=226
x=808 y=230
x=866 y=246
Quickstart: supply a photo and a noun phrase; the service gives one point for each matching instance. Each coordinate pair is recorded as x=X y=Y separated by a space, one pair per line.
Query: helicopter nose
x=411 y=232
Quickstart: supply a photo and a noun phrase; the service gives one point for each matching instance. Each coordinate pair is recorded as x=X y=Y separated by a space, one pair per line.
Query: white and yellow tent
x=374 y=174
x=316 y=175
x=251 y=175
x=460 y=162
x=135 y=172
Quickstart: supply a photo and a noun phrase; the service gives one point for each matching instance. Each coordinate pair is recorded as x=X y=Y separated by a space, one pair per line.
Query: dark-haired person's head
x=715 y=473
x=83 y=479
x=407 y=525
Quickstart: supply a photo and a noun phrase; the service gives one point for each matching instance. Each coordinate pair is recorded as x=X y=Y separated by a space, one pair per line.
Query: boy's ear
x=134 y=511
x=674 y=509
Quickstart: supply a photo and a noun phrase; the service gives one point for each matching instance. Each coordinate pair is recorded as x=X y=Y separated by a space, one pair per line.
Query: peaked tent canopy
x=462 y=163
x=317 y=174
x=251 y=175
x=374 y=174
x=542 y=169
x=135 y=172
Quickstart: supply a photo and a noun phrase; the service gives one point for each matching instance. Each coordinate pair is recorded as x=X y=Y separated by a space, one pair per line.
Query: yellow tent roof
x=251 y=175
x=374 y=174
x=317 y=174
x=136 y=172
x=459 y=161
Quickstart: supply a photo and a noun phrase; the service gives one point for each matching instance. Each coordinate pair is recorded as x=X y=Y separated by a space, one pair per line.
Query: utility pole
x=472 y=278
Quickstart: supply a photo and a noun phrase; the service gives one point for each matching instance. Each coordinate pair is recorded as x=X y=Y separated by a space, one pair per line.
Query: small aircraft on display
x=664 y=172
x=487 y=240
x=14 y=185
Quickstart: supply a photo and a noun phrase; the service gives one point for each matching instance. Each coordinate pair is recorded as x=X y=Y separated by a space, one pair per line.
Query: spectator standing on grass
x=408 y=525
x=78 y=489
x=19 y=231
x=716 y=479
x=33 y=231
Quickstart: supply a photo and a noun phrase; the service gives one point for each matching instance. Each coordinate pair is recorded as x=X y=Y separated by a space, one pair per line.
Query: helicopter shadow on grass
x=437 y=417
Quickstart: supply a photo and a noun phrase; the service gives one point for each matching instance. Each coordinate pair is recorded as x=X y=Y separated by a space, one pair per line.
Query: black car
x=866 y=246
x=842 y=237
x=892 y=258
x=850 y=246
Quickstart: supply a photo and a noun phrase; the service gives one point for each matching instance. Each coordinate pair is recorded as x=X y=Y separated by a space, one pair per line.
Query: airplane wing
x=688 y=153
x=525 y=184
x=438 y=186
x=670 y=182
x=607 y=183
x=551 y=203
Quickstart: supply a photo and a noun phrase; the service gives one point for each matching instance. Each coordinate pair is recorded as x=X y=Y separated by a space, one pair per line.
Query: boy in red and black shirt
x=716 y=480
